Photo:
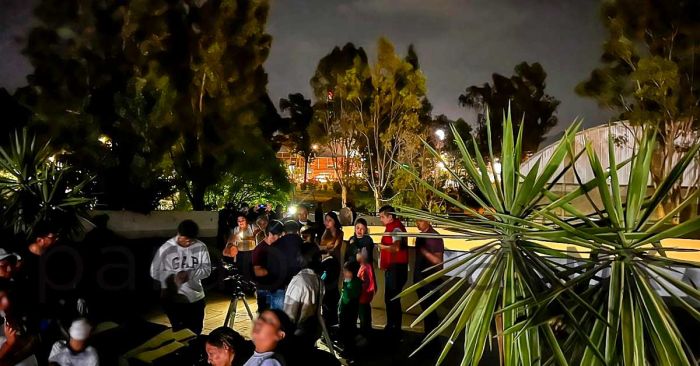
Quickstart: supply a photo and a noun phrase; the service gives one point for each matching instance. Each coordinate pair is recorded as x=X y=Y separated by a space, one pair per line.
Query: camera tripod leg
x=231 y=313
x=247 y=307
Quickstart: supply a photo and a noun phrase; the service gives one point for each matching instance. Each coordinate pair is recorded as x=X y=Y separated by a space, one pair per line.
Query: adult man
x=394 y=261
x=268 y=263
x=290 y=245
x=302 y=300
x=429 y=253
x=51 y=275
x=302 y=215
x=8 y=264
x=180 y=265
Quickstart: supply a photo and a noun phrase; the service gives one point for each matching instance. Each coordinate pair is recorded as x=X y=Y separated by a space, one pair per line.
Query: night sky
x=459 y=43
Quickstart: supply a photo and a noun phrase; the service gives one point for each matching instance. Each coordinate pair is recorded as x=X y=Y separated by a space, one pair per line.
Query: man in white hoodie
x=180 y=265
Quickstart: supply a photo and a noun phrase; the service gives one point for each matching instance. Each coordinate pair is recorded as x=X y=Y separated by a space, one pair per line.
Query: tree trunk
x=343 y=195
x=306 y=168
x=377 y=201
x=197 y=199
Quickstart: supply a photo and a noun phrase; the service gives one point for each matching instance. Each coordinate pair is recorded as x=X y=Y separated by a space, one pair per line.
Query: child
x=366 y=275
x=76 y=350
x=361 y=240
x=349 y=304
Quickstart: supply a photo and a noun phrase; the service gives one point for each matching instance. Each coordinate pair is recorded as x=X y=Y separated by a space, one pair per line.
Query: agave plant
x=637 y=327
x=510 y=267
x=521 y=288
x=33 y=188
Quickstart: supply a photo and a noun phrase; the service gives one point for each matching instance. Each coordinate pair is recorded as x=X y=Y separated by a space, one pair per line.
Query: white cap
x=80 y=330
x=4 y=254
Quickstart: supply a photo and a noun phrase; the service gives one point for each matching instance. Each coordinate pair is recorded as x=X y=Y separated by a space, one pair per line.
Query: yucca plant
x=33 y=188
x=637 y=328
x=523 y=288
x=514 y=267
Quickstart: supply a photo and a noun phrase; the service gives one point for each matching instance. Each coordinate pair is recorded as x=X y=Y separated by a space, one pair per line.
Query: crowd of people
x=310 y=279
x=306 y=282
x=41 y=311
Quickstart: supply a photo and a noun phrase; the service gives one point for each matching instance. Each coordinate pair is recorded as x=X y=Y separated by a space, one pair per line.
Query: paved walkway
x=217 y=306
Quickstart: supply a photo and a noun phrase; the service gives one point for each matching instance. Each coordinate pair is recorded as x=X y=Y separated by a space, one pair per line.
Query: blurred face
x=271 y=238
x=266 y=332
x=219 y=356
x=242 y=222
x=329 y=222
x=347 y=274
x=262 y=224
x=4 y=301
x=359 y=258
x=302 y=213
x=47 y=241
x=386 y=218
x=360 y=230
x=422 y=225
x=184 y=241
x=7 y=267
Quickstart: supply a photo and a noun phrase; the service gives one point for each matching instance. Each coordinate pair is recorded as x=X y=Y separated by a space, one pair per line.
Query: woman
x=269 y=330
x=242 y=235
x=332 y=238
x=225 y=347
x=261 y=224
x=331 y=242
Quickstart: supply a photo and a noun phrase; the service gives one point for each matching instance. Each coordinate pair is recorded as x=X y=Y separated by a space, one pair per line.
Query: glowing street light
x=440 y=134
x=497 y=167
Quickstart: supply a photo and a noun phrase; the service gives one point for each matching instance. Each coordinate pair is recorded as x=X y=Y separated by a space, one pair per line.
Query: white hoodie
x=171 y=258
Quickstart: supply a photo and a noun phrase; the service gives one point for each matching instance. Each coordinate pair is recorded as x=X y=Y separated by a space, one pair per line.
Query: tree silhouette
x=301 y=114
x=525 y=93
x=651 y=77
x=150 y=92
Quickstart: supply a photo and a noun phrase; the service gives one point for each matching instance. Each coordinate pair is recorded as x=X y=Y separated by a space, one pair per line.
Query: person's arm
x=337 y=242
x=204 y=269
x=157 y=270
x=8 y=346
x=372 y=288
x=395 y=245
x=260 y=271
x=433 y=258
x=292 y=301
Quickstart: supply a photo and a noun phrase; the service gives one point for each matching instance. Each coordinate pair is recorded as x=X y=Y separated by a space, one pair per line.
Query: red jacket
x=366 y=274
x=387 y=258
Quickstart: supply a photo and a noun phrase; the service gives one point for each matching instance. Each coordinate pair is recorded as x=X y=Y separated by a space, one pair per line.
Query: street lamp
x=497 y=167
x=440 y=134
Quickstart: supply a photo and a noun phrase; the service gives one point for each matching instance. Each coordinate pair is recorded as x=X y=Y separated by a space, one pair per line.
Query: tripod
x=238 y=295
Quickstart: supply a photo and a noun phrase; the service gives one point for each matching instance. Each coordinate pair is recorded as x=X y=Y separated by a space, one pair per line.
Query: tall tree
x=525 y=93
x=86 y=97
x=341 y=75
x=212 y=53
x=152 y=90
x=651 y=76
x=301 y=113
x=389 y=117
